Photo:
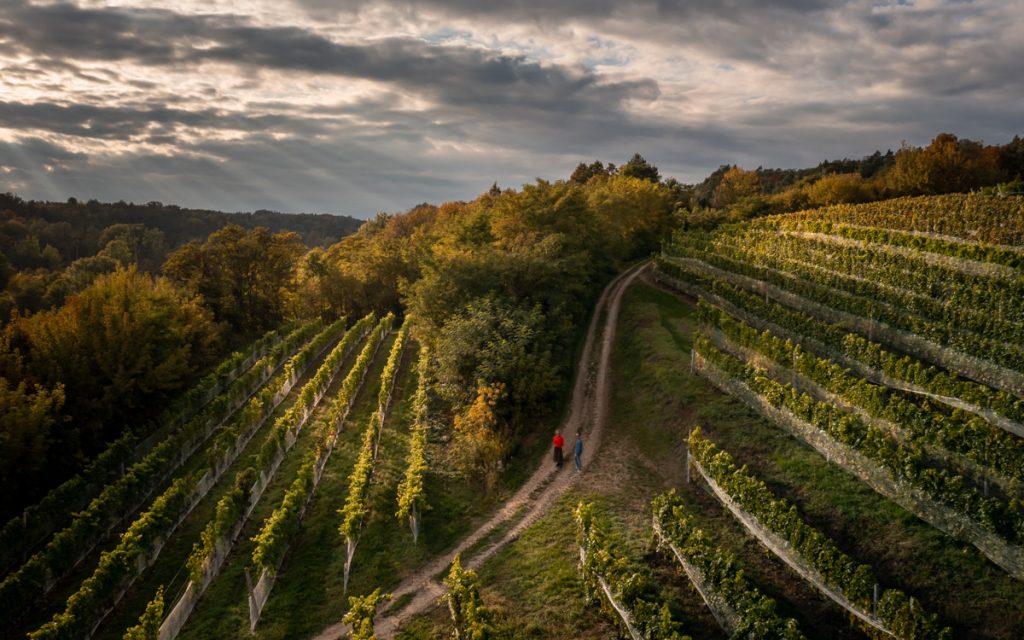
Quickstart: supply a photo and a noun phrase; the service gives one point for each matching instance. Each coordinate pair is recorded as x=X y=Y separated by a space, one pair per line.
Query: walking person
x=558 y=441
x=578 y=448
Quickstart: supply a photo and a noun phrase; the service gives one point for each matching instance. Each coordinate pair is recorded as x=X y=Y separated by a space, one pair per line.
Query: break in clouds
x=354 y=107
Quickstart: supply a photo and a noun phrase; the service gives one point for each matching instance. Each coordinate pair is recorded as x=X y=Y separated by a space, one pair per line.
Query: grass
x=533 y=582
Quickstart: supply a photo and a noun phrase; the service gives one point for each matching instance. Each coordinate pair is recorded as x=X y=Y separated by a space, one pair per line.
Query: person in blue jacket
x=578 y=447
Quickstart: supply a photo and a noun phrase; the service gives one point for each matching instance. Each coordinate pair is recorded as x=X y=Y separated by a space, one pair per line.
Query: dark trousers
x=558 y=456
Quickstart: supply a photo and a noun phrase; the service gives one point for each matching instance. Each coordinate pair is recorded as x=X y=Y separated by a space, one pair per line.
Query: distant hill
x=75 y=228
x=49 y=250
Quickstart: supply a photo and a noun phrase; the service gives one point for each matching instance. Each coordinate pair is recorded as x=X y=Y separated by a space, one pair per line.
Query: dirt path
x=587 y=414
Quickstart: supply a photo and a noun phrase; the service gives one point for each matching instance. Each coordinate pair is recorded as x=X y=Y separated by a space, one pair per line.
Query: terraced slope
x=172 y=569
x=888 y=339
x=223 y=611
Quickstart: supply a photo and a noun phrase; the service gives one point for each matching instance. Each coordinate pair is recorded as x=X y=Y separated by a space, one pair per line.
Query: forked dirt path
x=588 y=413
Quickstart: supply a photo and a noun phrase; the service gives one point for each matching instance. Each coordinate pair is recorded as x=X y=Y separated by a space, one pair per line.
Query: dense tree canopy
x=243 y=276
x=29 y=418
x=490 y=341
x=47 y=242
x=498 y=288
x=76 y=377
x=948 y=164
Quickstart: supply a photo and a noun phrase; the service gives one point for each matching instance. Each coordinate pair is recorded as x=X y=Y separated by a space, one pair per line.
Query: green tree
x=639 y=168
x=28 y=290
x=584 y=172
x=29 y=415
x=1011 y=158
x=134 y=244
x=735 y=185
x=78 y=276
x=119 y=347
x=243 y=276
x=493 y=341
x=6 y=270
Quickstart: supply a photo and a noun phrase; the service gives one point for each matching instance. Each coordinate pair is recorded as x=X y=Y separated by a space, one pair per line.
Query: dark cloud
x=125 y=123
x=460 y=75
x=587 y=10
x=39 y=151
x=259 y=172
x=258 y=112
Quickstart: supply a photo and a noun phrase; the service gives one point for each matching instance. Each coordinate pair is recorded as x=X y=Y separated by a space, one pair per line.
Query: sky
x=356 y=107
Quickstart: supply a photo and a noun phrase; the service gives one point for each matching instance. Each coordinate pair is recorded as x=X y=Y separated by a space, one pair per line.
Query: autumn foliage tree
x=481 y=442
x=947 y=165
x=839 y=188
x=736 y=184
x=109 y=355
x=244 y=276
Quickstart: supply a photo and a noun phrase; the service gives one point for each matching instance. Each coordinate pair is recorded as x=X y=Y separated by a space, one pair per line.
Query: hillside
x=189 y=286
x=816 y=418
x=293 y=449
x=938 y=532
x=52 y=250
x=884 y=339
x=664 y=321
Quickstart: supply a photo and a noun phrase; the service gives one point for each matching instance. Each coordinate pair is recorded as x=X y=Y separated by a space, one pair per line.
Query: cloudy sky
x=359 y=106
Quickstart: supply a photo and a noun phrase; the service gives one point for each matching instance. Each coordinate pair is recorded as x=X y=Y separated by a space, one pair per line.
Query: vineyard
x=219 y=489
x=886 y=339
x=855 y=373
x=302 y=473
x=813 y=428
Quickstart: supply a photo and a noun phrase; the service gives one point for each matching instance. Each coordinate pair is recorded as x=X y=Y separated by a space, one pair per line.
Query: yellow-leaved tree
x=481 y=443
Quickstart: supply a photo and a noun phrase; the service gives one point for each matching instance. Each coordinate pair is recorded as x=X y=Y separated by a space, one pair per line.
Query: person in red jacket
x=558 y=441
